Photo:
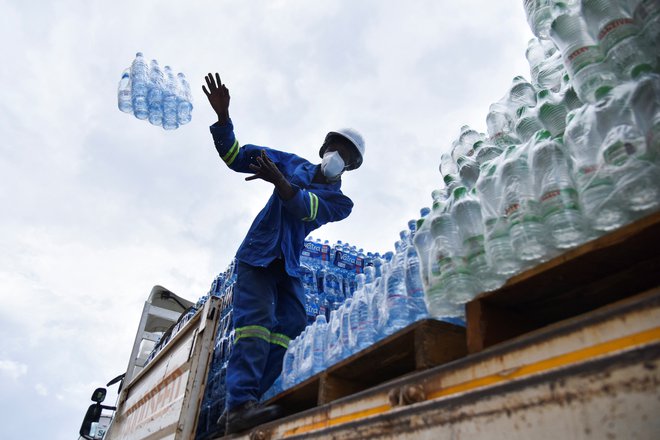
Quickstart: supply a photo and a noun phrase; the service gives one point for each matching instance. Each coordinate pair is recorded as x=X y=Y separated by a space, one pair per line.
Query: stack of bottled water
x=568 y=156
x=388 y=296
x=156 y=94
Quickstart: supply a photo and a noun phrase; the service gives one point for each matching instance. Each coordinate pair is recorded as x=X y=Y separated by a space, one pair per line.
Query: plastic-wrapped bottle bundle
x=595 y=185
x=624 y=153
x=499 y=249
x=520 y=207
x=414 y=284
x=647 y=15
x=552 y=112
x=155 y=94
x=545 y=64
x=619 y=38
x=466 y=213
x=501 y=123
x=556 y=192
x=451 y=282
x=584 y=59
x=541 y=13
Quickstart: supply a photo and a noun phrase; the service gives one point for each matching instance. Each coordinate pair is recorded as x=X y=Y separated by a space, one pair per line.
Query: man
x=268 y=297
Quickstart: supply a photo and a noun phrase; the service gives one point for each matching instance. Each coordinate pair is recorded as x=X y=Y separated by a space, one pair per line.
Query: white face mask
x=332 y=165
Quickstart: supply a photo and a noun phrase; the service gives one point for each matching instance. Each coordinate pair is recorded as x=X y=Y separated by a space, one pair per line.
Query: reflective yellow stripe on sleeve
x=313 y=207
x=231 y=154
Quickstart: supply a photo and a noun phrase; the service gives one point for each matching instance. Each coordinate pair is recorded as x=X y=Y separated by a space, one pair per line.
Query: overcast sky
x=98 y=206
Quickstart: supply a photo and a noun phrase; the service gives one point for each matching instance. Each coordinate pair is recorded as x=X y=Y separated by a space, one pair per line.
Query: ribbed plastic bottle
x=139 y=86
x=414 y=284
x=499 y=249
x=540 y=14
x=124 y=92
x=170 y=120
x=318 y=347
x=556 y=192
x=647 y=14
x=520 y=206
x=155 y=94
x=397 y=301
x=585 y=61
x=618 y=37
x=595 y=185
x=451 y=282
x=624 y=152
x=552 y=111
x=545 y=64
x=184 y=101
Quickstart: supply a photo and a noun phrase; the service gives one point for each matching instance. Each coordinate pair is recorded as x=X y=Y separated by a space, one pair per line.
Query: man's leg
x=291 y=319
x=254 y=311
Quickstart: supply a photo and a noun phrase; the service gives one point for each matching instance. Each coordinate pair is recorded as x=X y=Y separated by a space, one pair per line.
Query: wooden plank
x=614 y=266
x=421 y=345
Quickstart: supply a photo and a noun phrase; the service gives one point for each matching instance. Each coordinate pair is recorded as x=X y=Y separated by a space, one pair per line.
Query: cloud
x=41 y=389
x=13 y=370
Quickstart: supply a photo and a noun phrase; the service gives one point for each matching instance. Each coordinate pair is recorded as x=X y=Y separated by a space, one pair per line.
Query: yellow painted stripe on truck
x=619 y=344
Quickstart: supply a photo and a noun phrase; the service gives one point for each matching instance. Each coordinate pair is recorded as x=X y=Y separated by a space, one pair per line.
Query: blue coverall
x=268 y=296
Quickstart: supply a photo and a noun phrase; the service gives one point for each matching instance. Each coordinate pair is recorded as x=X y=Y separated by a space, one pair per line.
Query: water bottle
x=365 y=335
x=645 y=103
x=520 y=206
x=552 y=112
x=528 y=123
x=468 y=170
x=624 y=152
x=448 y=166
x=584 y=60
x=647 y=14
x=124 y=92
x=451 y=282
x=499 y=249
x=618 y=37
x=139 y=89
x=414 y=283
x=595 y=187
x=345 y=332
x=333 y=338
x=501 y=124
x=288 y=364
x=556 y=192
x=170 y=121
x=521 y=93
x=540 y=14
x=318 y=347
x=306 y=359
x=466 y=213
x=155 y=94
x=485 y=151
x=184 y=101
x=545 y=64
x=397 y=302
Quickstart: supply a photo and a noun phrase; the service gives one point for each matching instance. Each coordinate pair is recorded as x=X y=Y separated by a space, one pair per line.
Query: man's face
x=344 y=150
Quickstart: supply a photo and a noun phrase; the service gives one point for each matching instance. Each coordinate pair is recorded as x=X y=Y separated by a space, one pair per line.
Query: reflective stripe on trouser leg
x=290 y=318
x=254 y=314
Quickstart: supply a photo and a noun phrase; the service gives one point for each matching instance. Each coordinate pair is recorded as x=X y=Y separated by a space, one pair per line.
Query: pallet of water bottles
x=420 y=345
x=621 y=264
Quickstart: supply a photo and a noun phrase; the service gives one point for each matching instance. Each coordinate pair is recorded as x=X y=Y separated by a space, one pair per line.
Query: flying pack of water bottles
x=149 y=92
x=568 y=156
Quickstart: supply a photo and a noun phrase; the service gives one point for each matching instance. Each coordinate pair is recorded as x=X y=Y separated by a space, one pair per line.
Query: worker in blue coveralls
x=268 y=296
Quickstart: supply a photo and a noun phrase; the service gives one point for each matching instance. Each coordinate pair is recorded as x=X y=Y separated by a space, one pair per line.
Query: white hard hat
x=354 y=137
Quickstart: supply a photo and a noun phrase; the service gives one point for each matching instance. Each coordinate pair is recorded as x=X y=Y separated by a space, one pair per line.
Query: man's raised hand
x=218 y=96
